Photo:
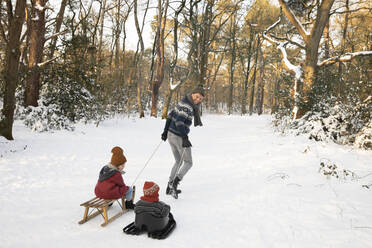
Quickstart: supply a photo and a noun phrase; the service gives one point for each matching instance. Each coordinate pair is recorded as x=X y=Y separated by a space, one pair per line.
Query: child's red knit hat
x=150 y=192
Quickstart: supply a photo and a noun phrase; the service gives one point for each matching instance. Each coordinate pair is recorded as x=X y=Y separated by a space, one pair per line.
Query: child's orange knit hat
x=118 y=157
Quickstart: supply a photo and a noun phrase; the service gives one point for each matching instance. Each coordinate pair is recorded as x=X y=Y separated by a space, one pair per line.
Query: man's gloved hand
x=186 y=142
x=164 y=135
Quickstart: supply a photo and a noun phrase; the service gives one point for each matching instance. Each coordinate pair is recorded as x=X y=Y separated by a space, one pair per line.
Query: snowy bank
x=249 y=187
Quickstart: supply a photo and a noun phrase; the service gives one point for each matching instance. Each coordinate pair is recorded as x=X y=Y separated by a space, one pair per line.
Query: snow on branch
x=46 y=62
x=274 y=25
x=56 y=34
x=289 y=41
x=297 y=70
x=39 y=7
x=291 y=67
x=281 y=46
x=268 y=38
x=345 y=58
x=174 y=86
x=42 y=8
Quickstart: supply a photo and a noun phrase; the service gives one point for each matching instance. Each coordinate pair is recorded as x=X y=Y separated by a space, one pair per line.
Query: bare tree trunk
x=160 y=55
x=208 y=97
x=124 y=65
x=261 y=87
x=59 y=20
x=254 y=77
x=152 y=71
x=204 y=44
x=275 y=105
x=193 y=52
x=312 y=40
x=246 y=78
x=117 y=39
x=166 y=104
x=26 y=45
x=15 y=23
x=326 y=40
x=232 y=62
x=275 y=97
x=100 y=42
x=343 y=45
x=138 y=63
x=174 y=61
x=138 y=59
x=37 y=39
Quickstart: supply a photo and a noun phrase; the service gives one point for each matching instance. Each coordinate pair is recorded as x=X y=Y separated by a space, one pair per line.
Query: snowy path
x=249 y=187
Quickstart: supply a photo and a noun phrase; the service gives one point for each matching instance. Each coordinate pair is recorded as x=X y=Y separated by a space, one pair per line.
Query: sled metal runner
x=132 y=229
x=101 y=207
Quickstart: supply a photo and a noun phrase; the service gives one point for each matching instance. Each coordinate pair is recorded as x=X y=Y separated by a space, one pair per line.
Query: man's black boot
x=176 y=181
x=169 y=188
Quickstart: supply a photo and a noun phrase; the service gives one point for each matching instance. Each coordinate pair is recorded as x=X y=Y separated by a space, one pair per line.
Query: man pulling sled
x=176 y=130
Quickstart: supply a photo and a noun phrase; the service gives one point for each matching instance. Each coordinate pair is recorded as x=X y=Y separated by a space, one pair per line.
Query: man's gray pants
x=180 y=168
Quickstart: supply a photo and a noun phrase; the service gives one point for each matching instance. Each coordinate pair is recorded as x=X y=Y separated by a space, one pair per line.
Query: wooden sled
x=101 y=206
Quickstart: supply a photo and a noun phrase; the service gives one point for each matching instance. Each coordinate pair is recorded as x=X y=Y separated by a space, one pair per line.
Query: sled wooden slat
x=94 y=201
x=101 y=206
x=89 y=201
x=101 y=202
x=112 y=218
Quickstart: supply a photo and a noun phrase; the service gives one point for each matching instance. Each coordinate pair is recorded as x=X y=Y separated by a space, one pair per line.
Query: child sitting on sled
x=110 y=183
x=152 y=215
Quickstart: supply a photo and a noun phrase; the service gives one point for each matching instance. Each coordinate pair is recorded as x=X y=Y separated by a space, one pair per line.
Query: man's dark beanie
x=198 y=89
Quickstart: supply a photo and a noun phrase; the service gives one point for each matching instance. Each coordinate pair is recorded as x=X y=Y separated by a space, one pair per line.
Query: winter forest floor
x=249 y=187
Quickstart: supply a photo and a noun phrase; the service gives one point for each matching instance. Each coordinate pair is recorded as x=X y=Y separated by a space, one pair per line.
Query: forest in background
x=308 y=62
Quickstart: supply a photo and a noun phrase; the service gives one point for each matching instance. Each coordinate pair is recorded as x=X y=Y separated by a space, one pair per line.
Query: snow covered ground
x=249 y=187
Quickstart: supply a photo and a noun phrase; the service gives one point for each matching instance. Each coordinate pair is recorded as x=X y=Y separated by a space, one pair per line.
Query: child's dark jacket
x=158 y=209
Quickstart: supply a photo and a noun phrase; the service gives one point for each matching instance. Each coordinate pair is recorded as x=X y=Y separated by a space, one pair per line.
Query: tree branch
x=221 y=24
x=288 y=40
x=350 y=11
x=56 y=34
x=268 y=38
x=280 y=38
x=46 y=62
x=347 y=57
x=287 y=64
x=281 y=46
x=293 y=19
x=321 y=19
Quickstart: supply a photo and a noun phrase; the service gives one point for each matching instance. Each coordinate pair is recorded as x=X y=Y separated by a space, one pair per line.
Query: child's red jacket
x=110 y=184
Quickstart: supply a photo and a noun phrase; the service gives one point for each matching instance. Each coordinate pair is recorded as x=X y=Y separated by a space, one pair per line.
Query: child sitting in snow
x=110 y=183
x=152 y=215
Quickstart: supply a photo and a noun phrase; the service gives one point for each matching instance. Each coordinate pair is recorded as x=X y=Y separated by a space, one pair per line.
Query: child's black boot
x=129 y=204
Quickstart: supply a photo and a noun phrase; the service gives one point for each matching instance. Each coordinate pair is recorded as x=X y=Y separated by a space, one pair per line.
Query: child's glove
x=186 y=142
